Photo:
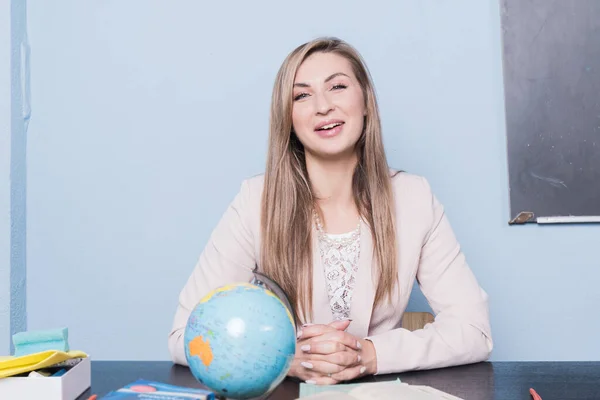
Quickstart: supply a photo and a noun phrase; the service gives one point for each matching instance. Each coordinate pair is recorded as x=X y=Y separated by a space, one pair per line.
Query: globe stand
x=263 y=397
x=265 y=282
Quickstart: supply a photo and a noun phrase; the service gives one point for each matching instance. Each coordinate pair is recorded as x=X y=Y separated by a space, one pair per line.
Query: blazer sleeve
x=228 y=257
x=461 y=331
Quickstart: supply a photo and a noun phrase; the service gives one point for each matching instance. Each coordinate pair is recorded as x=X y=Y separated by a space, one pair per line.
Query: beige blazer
x=428 y=251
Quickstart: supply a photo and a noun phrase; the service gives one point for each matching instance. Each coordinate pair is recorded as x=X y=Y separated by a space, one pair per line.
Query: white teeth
x=330 y=126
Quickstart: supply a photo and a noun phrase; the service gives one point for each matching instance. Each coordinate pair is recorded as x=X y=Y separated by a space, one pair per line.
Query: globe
x=240 y=341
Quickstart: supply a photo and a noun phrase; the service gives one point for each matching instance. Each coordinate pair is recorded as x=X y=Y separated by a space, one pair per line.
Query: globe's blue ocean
x=240 y=341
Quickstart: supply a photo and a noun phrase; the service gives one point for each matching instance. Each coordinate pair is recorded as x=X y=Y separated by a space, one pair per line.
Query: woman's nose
x=323 y=104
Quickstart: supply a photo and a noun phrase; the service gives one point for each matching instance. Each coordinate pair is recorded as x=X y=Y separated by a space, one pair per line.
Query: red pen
x=534 y=394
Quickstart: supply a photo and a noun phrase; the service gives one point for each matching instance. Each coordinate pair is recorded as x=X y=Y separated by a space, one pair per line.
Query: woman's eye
x=340 y=86
x=300 y=96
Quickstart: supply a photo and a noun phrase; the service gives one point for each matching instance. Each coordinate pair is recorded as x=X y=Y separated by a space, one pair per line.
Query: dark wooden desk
x=483 y=381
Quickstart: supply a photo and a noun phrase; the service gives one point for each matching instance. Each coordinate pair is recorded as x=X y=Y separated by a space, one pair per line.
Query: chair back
x=416 y=320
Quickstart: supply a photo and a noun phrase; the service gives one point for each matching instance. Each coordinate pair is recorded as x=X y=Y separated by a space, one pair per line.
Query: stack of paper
x=394 y=390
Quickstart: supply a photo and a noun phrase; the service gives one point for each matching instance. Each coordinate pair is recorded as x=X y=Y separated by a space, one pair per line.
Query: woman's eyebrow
x=330 y=77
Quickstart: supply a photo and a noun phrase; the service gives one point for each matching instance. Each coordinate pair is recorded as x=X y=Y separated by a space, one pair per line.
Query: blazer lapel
x=364 y=289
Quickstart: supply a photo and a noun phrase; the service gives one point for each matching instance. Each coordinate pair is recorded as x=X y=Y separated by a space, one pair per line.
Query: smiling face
x=328 y=106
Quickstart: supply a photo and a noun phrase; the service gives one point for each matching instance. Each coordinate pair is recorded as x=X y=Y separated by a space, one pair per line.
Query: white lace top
x=339 y=255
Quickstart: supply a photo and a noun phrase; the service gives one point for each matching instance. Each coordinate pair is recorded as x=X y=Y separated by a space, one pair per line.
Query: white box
x=69 y=386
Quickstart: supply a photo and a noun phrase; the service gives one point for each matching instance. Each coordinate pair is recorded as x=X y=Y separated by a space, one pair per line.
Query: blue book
x=149 y=390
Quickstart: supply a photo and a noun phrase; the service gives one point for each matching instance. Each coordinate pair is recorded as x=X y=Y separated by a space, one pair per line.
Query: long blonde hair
x=288 y=201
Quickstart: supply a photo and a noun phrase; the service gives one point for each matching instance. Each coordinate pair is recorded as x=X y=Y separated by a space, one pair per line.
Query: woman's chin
x=331 y=153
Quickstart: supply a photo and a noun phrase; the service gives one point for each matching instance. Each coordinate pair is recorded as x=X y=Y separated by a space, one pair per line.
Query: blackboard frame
x=551 y=71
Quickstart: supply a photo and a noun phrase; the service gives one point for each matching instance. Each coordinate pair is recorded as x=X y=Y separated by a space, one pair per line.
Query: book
x=392 y=390
x=150 y=390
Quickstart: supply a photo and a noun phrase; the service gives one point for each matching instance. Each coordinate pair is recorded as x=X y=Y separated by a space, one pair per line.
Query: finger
x=321 y=380
x=339 y=336
x=309 y=331
x=322 y=367
x=348 y=358
x=310 y=376
x=324 y=347
x=305 y=374
x=340 y=325
x=347 y=374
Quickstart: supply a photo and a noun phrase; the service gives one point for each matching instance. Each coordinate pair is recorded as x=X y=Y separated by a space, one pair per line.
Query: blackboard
x=551 y=60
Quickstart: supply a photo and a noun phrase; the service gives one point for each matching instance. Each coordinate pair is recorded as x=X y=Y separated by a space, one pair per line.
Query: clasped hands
x=326 y=354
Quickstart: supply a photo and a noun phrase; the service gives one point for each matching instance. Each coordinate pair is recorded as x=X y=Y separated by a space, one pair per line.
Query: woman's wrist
x=369 y=357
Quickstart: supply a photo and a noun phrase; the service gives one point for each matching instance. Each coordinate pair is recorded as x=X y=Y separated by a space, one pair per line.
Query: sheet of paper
x=442 y=395
x=309 y=390
x=330 y=395
x=391 y=390
x=388 y=391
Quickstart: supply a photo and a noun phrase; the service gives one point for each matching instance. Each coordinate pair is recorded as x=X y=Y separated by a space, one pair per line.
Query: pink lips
x=329 y=132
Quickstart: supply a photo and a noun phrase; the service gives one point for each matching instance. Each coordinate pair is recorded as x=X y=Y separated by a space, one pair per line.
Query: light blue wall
x=5 y=101
x=13 y=173
x=20 y=114
x=148 y=116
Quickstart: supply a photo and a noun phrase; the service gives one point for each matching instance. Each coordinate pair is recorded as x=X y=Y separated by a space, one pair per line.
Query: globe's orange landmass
x=201 y=349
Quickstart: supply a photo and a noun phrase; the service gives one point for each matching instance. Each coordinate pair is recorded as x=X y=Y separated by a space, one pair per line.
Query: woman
x=344 y=235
